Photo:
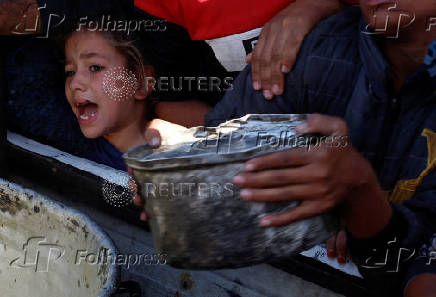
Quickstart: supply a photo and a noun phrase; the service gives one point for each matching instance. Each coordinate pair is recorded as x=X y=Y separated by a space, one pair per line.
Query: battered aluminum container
x=50 y=250
x=196 y=215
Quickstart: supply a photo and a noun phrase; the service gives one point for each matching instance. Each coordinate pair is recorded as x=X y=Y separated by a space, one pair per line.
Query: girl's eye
x=95 y=68
x=69 y=73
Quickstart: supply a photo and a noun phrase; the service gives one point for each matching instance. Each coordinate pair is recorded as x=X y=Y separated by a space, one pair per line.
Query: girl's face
x=90 y=64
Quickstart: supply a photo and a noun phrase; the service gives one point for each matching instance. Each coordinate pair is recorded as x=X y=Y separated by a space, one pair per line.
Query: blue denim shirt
x=341 y=71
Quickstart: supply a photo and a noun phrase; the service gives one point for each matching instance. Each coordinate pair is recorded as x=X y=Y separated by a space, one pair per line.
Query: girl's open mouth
x=87 y=112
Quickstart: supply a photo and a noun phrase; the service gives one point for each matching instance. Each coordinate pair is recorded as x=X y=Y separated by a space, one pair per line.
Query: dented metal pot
x=197 y=217
x=50 y=250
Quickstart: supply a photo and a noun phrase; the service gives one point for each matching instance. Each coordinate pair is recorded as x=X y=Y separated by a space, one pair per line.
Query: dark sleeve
x=391 y=258
x=425 y=262
x=242 y=99
x=319 y=81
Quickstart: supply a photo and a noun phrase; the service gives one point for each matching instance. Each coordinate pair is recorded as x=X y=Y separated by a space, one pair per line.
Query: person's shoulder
x=344 y=23
x=331 y=52
x=340 y=33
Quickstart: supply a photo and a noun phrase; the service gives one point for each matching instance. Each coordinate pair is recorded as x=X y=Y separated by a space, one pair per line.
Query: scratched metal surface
x=46 y=247
x=197 y=216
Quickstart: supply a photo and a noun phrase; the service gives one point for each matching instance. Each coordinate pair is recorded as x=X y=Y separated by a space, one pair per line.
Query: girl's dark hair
x=135 y=59
x=126 y=42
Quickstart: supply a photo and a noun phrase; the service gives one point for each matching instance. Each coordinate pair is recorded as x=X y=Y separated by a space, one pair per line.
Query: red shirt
x=209 y=19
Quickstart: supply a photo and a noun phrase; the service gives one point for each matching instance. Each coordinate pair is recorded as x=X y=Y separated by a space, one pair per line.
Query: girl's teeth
x=85 y=117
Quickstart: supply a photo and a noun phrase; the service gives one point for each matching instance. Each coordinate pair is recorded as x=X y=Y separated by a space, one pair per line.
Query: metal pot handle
x=131 y=287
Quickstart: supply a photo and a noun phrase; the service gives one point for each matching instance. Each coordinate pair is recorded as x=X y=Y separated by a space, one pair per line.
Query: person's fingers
x=341 y=246
x=143 y=216
x=290 y=51
x=130 y=171
x=159 y=132
x=293 y=157
x=331 y=246
x=256 y=55
x=248 y=58
x=152 y=137
x=286 y=193
x=422 y=285
x=285 y=66
x=279 y=177
x=277 y=57
x=283 y=58
x=138 y=201
x=277 y=79
x=266 y=67
x=135 y=189
x=289 y=60
x=324 y=125
x=305 y=210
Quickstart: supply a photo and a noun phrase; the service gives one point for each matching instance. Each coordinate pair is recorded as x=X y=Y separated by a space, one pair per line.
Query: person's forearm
x=316 y=10
x=185 y=113
x=422 y=286
x=367 y=212
x=19 y=17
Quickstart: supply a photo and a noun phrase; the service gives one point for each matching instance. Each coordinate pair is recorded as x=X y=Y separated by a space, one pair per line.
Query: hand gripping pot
x=197 y=217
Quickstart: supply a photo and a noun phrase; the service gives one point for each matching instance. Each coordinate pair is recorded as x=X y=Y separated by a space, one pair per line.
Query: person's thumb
x=323 y=124
x=152 y=138
x=248 y=58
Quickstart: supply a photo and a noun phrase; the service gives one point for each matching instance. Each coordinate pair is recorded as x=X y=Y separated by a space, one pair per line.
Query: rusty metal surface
x=235 y=140
x=50 y=250
x=197 y=216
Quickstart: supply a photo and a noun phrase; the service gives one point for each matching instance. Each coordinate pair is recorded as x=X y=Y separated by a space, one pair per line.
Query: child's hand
x=153 y=139
x=337 y=247
x=157 y=132
x=280 y=40
x=138 y=200
x=162 y=132
x=321 y=177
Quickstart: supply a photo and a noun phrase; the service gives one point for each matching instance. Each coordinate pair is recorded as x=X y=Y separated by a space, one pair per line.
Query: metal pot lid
x=236 y=140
